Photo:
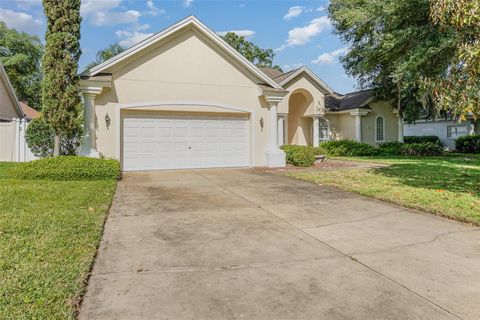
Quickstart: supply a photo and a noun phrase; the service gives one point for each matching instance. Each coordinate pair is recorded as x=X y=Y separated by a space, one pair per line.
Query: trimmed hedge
x=422 y=139
x=347 y=148
x=392 y=148
x=300 y=156
x=468 y=144
x=67 y=168
x=427 y=149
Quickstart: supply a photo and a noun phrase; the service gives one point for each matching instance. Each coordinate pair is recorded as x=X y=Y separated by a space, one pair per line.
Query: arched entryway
x=300 y=108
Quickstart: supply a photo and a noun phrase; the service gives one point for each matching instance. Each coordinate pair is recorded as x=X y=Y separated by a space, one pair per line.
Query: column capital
x=359 y=112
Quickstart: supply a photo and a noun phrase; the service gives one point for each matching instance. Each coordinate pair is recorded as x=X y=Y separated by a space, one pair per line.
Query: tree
x=457 y=91
x=20 y=54
x=393 y=45
x=61 y=99
x=253 y=53
x=105 y=54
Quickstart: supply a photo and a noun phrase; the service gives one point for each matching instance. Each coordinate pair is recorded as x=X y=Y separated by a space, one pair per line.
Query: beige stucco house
x=184 y=98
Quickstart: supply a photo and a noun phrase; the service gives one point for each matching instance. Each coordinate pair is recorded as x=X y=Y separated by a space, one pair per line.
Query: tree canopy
x=457 y=90
x=105 y=54
x=253 y=53
x=394 y=45
x=20 y=54
x=61 y=99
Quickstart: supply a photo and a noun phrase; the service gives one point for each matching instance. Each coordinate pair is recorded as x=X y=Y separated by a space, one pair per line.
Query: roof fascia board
x=191 y=20
x=311 y=74
x=11 y=91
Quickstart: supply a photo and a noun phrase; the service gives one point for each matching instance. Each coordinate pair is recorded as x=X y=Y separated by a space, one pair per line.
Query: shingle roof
x=30 y=113
x=352 y=100
x=272 y=73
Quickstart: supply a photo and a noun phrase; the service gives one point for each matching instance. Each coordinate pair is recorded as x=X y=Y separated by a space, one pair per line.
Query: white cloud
x=330 y=57
x=154 y=10
x=26 y=4
x=242 y=33
x=113 y=18
x=293 y=12
x=187 y=3
x=20 y=21
x=301 y=35
x=91 y=6
x=288 y=67
x=130 y=38
x=321 y=9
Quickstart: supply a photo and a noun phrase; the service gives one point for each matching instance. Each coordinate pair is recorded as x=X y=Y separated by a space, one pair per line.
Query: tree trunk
x=56 y=145
x=400 y=115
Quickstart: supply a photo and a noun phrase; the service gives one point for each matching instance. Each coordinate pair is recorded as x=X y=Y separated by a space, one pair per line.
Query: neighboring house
x=14 y=118
x=447 y=130
x=183 y=98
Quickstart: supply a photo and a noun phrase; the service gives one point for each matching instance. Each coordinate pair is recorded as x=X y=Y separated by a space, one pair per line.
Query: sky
x=299 y=31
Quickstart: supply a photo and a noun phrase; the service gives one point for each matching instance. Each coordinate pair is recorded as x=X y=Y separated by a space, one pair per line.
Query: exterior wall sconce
x=108 y=121
x=261 y=123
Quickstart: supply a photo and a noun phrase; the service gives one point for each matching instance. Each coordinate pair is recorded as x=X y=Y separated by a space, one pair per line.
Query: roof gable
x=287 y=77
x=8 y=88
x=189 y=22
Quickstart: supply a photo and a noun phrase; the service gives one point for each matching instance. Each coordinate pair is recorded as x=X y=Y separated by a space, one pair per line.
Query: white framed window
x=379 y=129
x=453 y=132
x=323 y=129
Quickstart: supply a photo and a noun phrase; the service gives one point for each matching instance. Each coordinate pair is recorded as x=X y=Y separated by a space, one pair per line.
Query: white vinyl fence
x=13 y=147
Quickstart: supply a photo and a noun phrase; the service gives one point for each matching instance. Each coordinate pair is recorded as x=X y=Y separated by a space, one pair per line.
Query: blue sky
x=299 y=31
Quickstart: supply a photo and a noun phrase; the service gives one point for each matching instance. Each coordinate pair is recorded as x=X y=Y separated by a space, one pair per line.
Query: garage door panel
x=189 y=141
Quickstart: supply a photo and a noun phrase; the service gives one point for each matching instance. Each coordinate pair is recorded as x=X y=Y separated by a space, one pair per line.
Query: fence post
x=23 y=146
x=17 y=139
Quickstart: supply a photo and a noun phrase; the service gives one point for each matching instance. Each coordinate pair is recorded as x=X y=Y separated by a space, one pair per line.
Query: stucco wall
x=303 y=82
x=435 y=128
x=7 y=107
x=188 y=68
x=384 y=109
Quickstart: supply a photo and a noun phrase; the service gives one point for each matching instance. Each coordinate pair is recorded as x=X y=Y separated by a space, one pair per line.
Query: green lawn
x=49 y=234
x=447 y=186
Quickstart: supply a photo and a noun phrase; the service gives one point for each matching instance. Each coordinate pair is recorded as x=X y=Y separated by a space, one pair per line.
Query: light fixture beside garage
x=107 y=120
x=261 y=123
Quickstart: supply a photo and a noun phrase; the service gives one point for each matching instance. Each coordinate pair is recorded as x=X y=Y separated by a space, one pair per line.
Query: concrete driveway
x=244 y=244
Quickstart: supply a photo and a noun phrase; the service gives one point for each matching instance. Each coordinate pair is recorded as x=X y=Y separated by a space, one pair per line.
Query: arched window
x=323 y=129
x=380 y=129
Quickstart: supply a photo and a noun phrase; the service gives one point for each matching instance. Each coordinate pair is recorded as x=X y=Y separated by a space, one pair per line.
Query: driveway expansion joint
x=349 y=256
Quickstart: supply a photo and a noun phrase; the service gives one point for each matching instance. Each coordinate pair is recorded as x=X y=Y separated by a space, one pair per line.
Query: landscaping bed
x=49 y=234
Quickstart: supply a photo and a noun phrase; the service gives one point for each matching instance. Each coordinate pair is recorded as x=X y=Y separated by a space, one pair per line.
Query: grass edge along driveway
x=49 y=235
x=446 y=186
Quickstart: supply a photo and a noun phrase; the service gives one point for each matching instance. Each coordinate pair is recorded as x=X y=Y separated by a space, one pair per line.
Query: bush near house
x=426 y=149
x=468 y=144
x=391 y=148
x=422 y=139
x=67 y=168
x=347 y=148
x=300 y=156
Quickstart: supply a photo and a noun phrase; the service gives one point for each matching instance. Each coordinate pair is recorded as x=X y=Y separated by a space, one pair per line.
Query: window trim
x=319 y=129
x=376 y=128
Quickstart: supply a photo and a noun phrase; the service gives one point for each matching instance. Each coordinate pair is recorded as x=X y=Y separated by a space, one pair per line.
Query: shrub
x=300 y=156
x=468 y=144
x=347 y=148
x=40 y=139
x=422 y=139
x=67 y=168
x=427 y=149
x=393 y=148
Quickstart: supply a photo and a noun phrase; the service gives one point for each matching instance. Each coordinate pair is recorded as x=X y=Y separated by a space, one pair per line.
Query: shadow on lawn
x=456 y=175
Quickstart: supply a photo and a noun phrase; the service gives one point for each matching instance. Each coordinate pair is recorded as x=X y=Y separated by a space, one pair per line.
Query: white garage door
x=153 y=142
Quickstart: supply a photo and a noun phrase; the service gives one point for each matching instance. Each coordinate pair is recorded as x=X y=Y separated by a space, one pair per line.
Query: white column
x=281 y=130
x=316 y=131
x=89 y=146
x=275 y=156
x=358 y=128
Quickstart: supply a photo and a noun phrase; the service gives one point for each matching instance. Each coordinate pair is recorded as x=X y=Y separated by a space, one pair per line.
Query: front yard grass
x=49 y=234
x=447 y=186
